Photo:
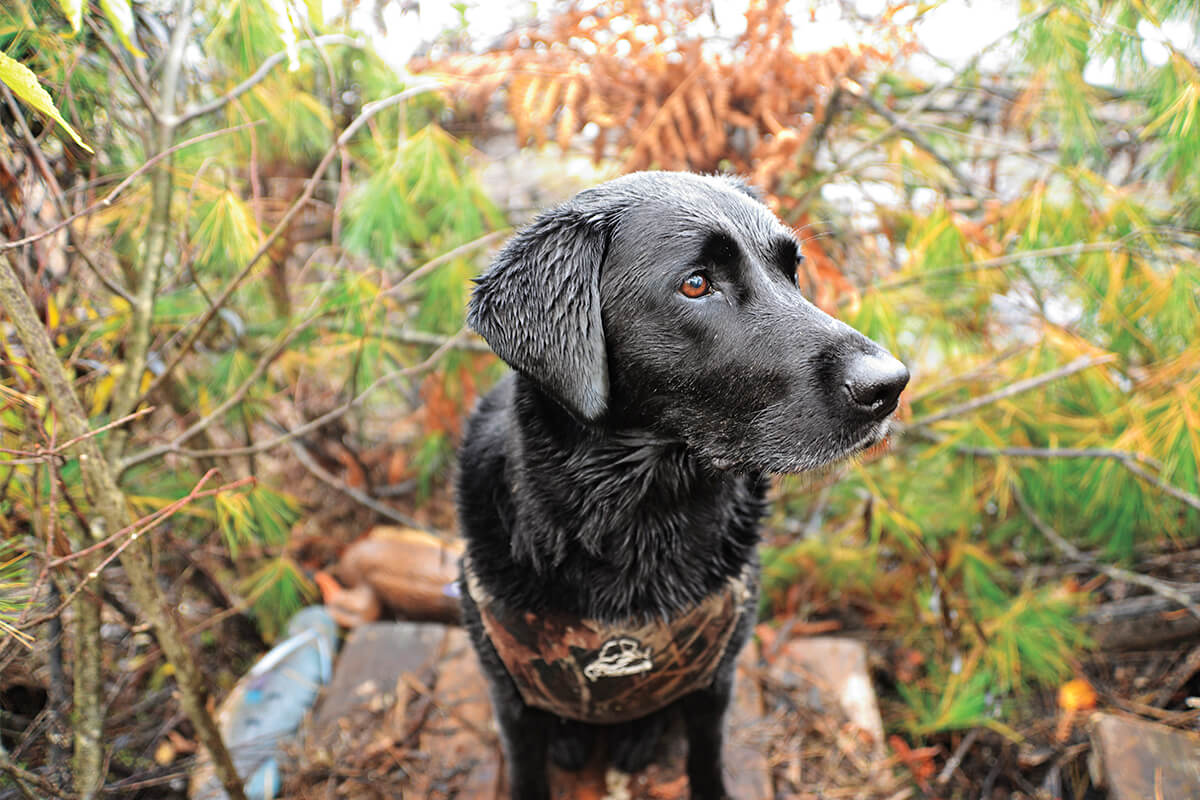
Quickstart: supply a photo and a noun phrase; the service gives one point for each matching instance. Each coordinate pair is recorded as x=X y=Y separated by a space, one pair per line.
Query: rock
x=747 y=772
x=1136 y=759
x=373 y=660
x=830 y=674
x=462 y=747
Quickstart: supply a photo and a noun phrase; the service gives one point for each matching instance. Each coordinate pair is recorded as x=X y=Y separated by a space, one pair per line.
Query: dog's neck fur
x=621 y=522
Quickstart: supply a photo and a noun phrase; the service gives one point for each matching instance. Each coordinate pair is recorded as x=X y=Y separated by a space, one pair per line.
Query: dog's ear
x=538 y=306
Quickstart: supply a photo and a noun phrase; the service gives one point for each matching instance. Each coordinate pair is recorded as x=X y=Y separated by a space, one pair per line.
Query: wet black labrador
x=610 y=490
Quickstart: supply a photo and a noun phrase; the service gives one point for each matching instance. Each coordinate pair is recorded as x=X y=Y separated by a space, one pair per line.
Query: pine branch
x=300 y=430
x=1078 y=365
x=1060 y=543
x=259 y=76
x=111 y=197
x=310 y=187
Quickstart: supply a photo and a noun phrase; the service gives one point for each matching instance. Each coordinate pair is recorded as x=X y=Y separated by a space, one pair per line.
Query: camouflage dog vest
x=597 y=672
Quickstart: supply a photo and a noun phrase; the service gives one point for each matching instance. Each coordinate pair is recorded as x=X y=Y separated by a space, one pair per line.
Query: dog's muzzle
x=597 y=672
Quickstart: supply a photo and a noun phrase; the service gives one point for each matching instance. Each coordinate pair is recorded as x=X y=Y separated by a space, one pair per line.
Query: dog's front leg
x=524 y=732
x=704 y=714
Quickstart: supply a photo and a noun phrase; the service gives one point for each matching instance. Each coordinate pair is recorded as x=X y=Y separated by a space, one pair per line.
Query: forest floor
x=406 y=713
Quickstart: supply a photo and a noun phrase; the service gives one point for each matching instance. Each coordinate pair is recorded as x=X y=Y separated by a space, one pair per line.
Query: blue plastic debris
x=267 y=706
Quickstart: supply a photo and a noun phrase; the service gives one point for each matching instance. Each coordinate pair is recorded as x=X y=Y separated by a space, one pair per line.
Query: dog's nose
x=874 y=382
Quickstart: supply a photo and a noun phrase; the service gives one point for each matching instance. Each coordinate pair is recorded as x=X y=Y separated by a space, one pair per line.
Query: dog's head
x=668 y=302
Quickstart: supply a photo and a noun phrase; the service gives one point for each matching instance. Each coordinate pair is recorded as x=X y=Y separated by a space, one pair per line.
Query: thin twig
x=1130 y=460
x=233 y=399
x=1179 y=494
x=111 y=197
x=1058 y=452
x=310 y=187
x=955 y=760
x=270 y=444
x=1155 y=585
x=132 y=533
x=449 y=255
x=1079 y=248
x=485 y=735
x=361 y=497
x=24 y=778
x=259 y=75
x=905 y=127
x=1078 y=365
x=313 y=424
x=417 y=338
x=40 y=455
x=117 y=58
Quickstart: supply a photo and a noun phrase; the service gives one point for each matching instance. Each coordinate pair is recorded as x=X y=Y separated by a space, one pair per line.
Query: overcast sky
x=952 y=32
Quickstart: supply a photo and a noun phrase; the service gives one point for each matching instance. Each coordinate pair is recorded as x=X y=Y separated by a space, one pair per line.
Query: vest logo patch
x=620 y=656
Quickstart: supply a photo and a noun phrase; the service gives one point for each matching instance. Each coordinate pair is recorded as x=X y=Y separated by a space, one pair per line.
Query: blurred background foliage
x=1019 y=226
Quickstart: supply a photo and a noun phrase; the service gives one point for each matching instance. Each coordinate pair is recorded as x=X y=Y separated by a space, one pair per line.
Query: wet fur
x=619 y=472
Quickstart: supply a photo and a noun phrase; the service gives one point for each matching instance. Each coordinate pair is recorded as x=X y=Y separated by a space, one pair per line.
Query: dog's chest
x=598 y=672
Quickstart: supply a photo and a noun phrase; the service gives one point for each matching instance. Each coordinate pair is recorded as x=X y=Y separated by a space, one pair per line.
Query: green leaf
x=24 y=85
x=120 y=15
x=316 y=12
x=73 y=10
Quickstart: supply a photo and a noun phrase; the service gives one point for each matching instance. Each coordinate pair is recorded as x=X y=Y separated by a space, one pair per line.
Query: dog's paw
x=571 y=745
x=632 y=744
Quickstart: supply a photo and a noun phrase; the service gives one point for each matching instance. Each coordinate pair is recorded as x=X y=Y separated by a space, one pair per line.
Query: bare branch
x=1131 y=461
x=1179 y=494
x=1160 y=588
x=132 y=533
x=967 y=186
x=25 y=779
x=449 y=255
x=1078 y=365
x=1077 y=249
x=229 y=402
x=311 y=425
x=111 y=197
x=39 y=455
x=359 y=496
x=1058 y=452
x=259 y=75
x=369 y=110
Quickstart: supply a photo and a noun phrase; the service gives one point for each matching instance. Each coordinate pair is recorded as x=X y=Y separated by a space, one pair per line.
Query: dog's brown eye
x=695 y=285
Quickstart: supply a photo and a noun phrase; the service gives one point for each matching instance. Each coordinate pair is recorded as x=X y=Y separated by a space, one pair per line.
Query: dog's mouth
x=873 y=443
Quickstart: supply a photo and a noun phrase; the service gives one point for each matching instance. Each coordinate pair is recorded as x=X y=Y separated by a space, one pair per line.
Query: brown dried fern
x=661 y=99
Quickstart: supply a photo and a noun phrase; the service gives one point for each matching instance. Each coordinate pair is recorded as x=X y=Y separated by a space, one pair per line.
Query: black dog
x=610 y=491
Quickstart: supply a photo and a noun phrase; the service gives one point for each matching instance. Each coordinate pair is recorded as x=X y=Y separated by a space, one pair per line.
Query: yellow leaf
x=164 y=754
x=102 y=394
x=73 y=11
x=1076 y=695
x=120 y=15
x=25 y=86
